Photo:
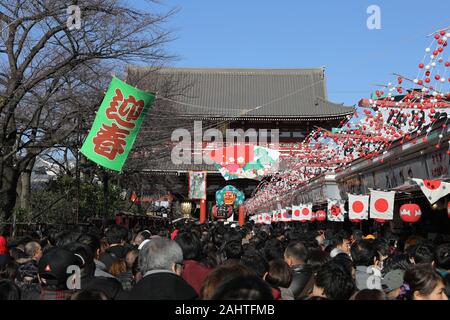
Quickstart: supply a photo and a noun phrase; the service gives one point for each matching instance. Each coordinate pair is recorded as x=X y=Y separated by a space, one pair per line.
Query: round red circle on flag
x=297 y=213
x=432 y=184
x=357 y=206
x=305 y=211
x=381 y=205
x=335 y=210
x=285 y=215
x=267 y=218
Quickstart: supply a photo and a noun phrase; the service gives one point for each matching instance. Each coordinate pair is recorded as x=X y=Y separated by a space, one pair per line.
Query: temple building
x=294 y=101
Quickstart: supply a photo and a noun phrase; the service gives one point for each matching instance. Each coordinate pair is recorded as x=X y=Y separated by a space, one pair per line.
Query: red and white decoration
x=263 y=218
x=285 y=217
x=336 y=210
x=274 y=216
x=433 y=189
x=358 y=207
x=296 y=213
x=321 y=215
x=382 y=205
x=410 y=212
x=306 y=212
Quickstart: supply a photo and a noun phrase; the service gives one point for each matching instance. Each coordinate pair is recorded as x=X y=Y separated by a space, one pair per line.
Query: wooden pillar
x=202 y=211
x=241 y=215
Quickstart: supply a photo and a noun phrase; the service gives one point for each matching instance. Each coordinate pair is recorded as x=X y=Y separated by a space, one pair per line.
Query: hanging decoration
x=382 y=205
x=433 y=189
x=410 y=212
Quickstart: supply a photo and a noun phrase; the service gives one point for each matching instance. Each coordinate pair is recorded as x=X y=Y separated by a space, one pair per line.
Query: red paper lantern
x=321 y=215
x=410 y=212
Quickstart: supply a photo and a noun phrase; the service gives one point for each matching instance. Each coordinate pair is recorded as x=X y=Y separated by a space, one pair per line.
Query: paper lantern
x=222 y=212
x=321 y=215
x=410 y=212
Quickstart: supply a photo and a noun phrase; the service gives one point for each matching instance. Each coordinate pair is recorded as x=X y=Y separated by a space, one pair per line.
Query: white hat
x=143 y=243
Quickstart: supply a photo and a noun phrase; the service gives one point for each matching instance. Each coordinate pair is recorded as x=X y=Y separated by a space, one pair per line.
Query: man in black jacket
x=161 y=264
x=295 y=256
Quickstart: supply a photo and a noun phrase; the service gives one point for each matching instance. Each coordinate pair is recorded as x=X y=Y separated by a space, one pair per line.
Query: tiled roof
x=243 y=93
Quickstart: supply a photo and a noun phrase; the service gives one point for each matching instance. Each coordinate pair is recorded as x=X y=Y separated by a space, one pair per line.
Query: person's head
x=84 y=256
x=131 y=257
x=363 y=253
x=89 y=295
x=8 y=290
x=243 y=288
x=53 y=267
x=295 y=253
x=356 y=235
x=190 y=244
x=233 y=249
x=423 y=254
x=369 y=294
x=396 y=261
x=161 y=254
x=118 y=267
x=116 y=235
x=442 y=256
x=92 y=241
x=341 y=242
x=279 y=275
x=33 y=250
x=141 y=236
x=333 y=282
x=222 y=274
x=256 y=262
x=317 y=258
x=425 y=283
x=392 y=282
x=273 y=249
x=9 y=270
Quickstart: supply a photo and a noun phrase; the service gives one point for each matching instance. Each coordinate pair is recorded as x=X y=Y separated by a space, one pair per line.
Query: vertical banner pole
x=202 y=211
x=241 y=215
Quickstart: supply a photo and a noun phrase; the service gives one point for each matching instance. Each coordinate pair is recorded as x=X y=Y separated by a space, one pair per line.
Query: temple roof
x=242 y=93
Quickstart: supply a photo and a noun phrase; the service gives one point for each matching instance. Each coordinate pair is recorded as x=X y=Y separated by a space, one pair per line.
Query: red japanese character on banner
x=110 y=141
x=127 y=112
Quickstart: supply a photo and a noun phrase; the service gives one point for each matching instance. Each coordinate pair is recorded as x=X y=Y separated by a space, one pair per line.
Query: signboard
x=197 y=185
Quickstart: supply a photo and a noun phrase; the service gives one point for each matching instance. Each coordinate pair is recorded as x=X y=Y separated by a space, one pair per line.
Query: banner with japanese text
x=116 y=125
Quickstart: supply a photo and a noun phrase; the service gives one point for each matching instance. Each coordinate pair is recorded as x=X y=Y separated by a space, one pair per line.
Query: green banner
x=116 y=125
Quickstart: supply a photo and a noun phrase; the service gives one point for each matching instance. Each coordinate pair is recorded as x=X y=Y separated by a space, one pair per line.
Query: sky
x=304 y=34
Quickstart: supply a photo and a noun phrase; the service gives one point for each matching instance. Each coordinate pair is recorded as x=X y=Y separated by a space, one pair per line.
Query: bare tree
x=51 y=76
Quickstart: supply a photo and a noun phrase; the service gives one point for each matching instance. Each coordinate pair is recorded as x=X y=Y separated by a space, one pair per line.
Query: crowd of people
x=219 y=261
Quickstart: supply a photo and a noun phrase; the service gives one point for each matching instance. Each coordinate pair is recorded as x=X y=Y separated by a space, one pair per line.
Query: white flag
x=285 y=215
x=336 y=210
x=382 y=204
x=306 y=212
x=433 y=189
x=296 y=213
x=358 y=207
